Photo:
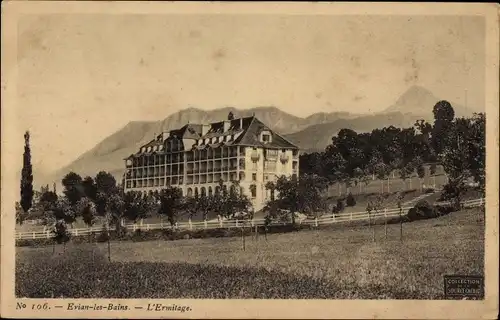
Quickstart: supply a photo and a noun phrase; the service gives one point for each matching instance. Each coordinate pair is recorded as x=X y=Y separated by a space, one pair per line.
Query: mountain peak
x=420 y=101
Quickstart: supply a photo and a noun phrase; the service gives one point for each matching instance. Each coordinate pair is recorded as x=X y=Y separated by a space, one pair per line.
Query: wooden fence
x=323 y=220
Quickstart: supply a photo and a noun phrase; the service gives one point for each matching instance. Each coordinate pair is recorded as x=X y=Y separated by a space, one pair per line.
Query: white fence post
x=236 y=223
x=385 y=212
x=47 y=234
x=315 y=221
x=351 y=216
x=220 y=223
x=190 y=224
x=205 y=223
x=252 y=223
x=33 y=235
x=76 y=232
x=481 y=202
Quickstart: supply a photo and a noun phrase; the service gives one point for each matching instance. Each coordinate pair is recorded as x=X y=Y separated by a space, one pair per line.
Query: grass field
x=326 y=263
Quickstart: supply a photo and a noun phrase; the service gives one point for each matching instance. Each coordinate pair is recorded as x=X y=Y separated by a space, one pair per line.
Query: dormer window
x=265 y=137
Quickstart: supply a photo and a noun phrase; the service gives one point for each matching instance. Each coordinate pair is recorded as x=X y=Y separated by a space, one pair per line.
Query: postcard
x=249 y=160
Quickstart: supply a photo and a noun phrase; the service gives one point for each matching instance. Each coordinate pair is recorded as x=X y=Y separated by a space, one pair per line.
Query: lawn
x=326 y=263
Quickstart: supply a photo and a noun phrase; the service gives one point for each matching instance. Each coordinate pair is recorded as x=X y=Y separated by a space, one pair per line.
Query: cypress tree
x=27 y=176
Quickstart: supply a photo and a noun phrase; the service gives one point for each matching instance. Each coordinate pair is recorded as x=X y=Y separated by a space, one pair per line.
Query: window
x=253 y=190
x=266 y=138
x=254 y=177
x=254 y=165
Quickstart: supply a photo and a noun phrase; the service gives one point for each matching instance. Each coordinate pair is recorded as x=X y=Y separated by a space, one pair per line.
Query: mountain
x=317 y=137
x=311 y=133
x=420 y=101
x=108 y=154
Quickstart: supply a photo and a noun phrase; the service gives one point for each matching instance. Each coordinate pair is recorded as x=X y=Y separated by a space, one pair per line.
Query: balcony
x=255 y=156
x=284 y=157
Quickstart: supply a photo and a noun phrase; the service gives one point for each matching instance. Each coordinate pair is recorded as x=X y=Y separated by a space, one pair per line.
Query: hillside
x=311 y=133
x=108 y=154
x=317 y=137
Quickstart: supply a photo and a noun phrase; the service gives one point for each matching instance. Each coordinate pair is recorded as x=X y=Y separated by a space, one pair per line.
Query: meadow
x=328 y=263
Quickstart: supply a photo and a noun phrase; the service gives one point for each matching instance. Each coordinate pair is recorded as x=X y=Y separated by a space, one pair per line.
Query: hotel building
x=196 y=157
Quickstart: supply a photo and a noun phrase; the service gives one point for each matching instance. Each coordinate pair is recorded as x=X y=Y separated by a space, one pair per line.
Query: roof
x=189 y=131
x=252 y=133
x=249 y=128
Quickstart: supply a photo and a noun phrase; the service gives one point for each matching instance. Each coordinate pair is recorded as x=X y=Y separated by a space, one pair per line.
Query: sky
x=82 y=77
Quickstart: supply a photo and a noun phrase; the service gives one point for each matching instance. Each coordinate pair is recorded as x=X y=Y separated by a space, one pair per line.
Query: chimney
x=241 y=123
x=227 y=125
x=204 y=129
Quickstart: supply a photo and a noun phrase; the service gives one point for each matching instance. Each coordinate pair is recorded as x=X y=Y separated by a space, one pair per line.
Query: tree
x=406 y=171
x=382 y=172
x=20 y=214
x=137 y=206
x=73 y=189
x=288 y=195
x=106 y=183
x=115 y=212
x=63 y=210
x=304 y=195
x=350 y=201
x=205 y=205
x=48 y=200
x=235 y=201
x=192 y=205
x=432 y=171
x=105 y=187
x=89 y=188
x=420 y=173
x=443 y=118
x=271 y=186
x=26 y=176
x=458 y=157
x=61 y=233
x=170 y=203
x=312 y=163
x=477 y=149
x=86 y=209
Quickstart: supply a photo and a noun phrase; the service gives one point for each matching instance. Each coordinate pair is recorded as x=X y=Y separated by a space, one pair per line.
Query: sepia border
x=297 y=309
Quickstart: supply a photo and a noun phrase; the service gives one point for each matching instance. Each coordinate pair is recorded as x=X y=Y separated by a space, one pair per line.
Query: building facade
x=196 y=157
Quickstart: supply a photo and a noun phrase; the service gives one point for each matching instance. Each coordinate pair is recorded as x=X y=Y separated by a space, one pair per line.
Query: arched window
x=189 y=192
x=196 y=191
x=203 y=192
x=209 y=191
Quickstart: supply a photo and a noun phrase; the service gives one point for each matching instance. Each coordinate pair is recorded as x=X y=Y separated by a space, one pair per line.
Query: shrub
x=350 y=201
x=422 y=210
x=103 y=236
x=429 y=190
x=444 y=209
x=340 y=205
